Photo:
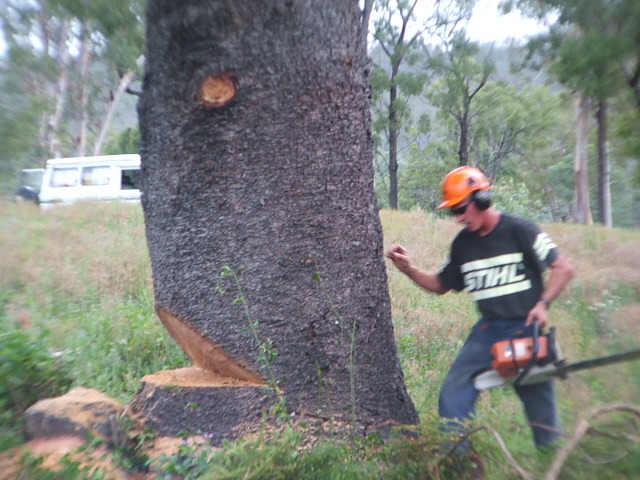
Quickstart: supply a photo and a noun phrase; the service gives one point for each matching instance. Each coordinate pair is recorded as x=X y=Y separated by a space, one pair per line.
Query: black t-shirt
x=502 y=270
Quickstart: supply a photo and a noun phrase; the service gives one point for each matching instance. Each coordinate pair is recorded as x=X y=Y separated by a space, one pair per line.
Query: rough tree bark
x=257 y=162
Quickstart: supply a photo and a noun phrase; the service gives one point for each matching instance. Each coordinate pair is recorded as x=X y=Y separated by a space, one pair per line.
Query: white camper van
x=108 y=177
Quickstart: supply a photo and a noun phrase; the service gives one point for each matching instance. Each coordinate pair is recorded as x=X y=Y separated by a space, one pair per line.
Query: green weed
x=283 y=457
x=28 y=373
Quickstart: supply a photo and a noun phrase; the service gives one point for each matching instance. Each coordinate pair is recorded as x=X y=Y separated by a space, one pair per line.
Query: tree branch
x=364 y=21
x=130 y=91
x=521 y=471
x=583 y=427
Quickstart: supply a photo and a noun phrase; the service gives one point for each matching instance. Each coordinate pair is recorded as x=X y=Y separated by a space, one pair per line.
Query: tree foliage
x=399 y=34
x=462 y=77
x=515 y=139
x=91 y=51
x=594 y=49
x=61 y=70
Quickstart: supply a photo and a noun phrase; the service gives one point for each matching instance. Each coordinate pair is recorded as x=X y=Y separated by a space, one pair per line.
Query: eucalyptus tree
x=594 y=48
x=600 y=54
x=518 y=136
x=36 y=66
x=584 y=60
x=461 y=78
x=70 y=58
x=264 y=236
x=523 y=134
x=110 y=37
x=399 y=34
x=399 y=42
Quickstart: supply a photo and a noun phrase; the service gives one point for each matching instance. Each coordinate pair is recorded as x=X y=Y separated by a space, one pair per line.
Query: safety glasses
x=459 y=210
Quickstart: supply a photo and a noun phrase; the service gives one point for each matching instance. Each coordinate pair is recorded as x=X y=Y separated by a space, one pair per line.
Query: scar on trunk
x=205 y=354
x=218 y=90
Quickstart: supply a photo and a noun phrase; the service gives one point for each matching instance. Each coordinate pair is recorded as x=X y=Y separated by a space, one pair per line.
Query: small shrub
x=188 y=463
x=28 y=373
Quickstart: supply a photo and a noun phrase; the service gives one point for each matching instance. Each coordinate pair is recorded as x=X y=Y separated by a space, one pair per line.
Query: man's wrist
x=409 y=270
x=546 y=302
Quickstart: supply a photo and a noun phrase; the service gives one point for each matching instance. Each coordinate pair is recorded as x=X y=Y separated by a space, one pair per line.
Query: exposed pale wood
x=203 y=353
x=218 y=90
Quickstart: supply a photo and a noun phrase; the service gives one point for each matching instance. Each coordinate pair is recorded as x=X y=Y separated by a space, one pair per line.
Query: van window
x=64 y=177
x=129 y=179
x=96 y=175
x=32 y=177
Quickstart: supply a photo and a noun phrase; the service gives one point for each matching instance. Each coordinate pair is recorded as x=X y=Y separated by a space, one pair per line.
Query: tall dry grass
x=82 y=273
x=79 y=276
x=96 y=248
x=95 y=253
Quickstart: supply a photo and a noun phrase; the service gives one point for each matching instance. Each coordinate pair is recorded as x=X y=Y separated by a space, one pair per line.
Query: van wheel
x=26 y=194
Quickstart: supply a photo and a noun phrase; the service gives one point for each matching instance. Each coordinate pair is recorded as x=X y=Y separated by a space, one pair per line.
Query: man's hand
x=428 y=280
x=561 y=273
x=400 y=258
x=539 y=312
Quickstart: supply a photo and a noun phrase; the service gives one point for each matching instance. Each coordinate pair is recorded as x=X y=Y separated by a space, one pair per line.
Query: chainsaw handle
x=534 y=353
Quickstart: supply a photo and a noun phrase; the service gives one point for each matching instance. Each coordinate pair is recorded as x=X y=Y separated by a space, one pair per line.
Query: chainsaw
x=529 y=360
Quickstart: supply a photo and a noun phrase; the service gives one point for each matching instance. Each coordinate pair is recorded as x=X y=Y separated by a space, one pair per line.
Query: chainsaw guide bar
x=529 y=360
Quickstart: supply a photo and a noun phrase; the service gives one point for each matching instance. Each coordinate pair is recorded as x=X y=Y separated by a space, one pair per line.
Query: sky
x=487 y=25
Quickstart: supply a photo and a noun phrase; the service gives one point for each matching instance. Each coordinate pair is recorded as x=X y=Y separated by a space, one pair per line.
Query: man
x=499 y=259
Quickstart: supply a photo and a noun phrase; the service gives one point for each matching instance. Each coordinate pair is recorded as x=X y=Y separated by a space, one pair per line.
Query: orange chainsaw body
x=510 y=356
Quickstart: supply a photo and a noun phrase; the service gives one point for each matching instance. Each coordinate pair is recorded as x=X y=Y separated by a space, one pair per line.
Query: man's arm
x=561 y=273
x=428 y=280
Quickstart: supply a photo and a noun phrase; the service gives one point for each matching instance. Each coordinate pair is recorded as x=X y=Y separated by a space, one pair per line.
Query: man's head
x=466 y=192
x=465 y=184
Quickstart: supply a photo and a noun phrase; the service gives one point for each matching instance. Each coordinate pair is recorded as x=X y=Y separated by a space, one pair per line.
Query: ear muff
x=482 y=199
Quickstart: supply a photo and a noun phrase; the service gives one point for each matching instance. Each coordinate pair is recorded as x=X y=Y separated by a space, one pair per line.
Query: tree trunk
x=55 y=119
x=581 y=165
x=257 y=180
x=394 y=132
x=367 y=7
x=604 y=167
x=85 y=63
x=463 y=147
x=114 y=98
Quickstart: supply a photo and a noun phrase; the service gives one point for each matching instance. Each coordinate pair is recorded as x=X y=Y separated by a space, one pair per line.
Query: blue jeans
x=458 y=395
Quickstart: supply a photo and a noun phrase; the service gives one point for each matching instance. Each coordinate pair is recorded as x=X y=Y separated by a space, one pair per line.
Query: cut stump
x=193 y=400
x=81 y=411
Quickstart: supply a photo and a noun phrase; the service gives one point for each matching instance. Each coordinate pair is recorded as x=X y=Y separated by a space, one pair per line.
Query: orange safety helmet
x=460 y=183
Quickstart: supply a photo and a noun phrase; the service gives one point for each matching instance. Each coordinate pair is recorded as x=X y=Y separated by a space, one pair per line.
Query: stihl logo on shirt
x=495 y=276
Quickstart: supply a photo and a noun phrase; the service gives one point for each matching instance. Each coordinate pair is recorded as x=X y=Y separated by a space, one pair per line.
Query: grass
x=79 y=277
x=76 y=286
